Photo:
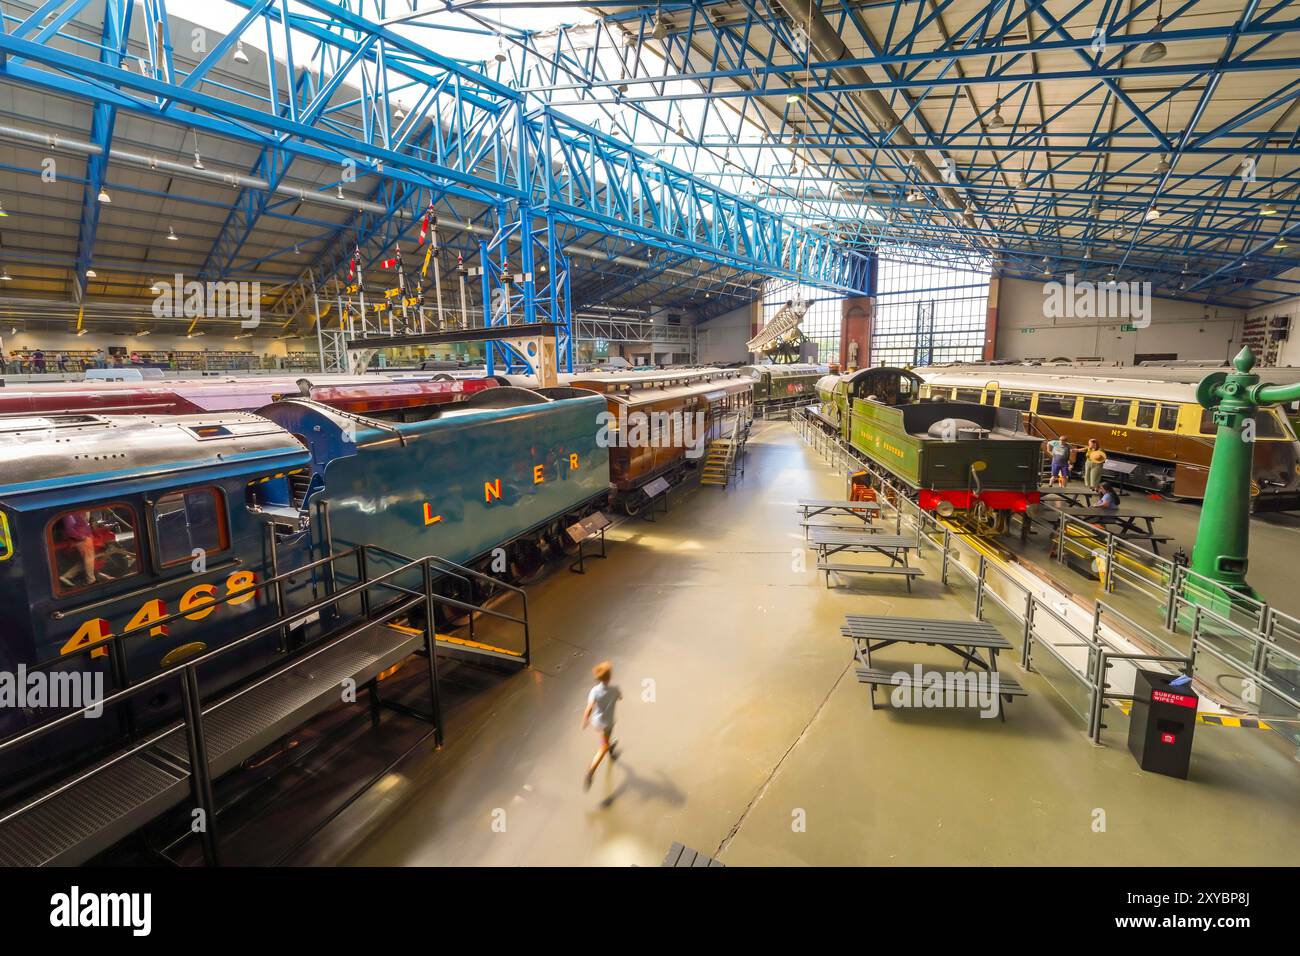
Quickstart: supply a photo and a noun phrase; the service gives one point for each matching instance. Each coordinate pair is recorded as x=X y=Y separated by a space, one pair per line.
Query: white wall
x=1289 y=354
x=722 y=339
x=1191 y=330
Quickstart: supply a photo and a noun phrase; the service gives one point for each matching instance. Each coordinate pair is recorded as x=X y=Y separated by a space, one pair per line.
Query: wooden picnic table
x=966 y=639
x=863 y=511
x=829 y=541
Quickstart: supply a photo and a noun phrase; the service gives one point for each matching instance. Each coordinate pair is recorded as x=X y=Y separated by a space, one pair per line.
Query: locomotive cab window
x=1107 y=411
x=186 y=521
x=90 y=546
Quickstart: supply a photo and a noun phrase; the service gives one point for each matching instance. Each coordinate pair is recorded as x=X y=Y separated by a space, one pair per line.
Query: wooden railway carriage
x=953 y=455
x=110 y=524
x=704 y=400
x=1155 y=427
x=780 y=385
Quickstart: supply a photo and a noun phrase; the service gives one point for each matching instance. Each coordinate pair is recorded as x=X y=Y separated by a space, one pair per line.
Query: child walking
x=600 y=713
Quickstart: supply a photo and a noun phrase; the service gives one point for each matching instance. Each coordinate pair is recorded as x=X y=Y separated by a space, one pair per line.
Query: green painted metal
x=1223 y=538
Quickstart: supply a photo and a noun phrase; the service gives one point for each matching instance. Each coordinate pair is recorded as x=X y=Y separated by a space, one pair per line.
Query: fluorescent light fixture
x=1154 y=51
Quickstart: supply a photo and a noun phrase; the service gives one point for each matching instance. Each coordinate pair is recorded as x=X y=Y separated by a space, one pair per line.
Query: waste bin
x=1161 y=724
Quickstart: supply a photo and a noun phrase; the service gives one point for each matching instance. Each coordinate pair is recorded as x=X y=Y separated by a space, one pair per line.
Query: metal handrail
x=194 y=711
x=479 y=575
x=142 y=629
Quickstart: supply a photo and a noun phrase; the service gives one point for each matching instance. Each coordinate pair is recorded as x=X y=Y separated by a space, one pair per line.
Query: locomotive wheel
x=527 y=560
x=989 y=522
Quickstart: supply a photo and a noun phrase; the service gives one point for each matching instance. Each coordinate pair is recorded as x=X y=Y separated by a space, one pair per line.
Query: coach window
x=1020 y=401
x=90 y=546
x=1107 y=411
x=1056 y=406
x=1146 y=415
x=1168 y=417
x=186 y=521
x=974 y=395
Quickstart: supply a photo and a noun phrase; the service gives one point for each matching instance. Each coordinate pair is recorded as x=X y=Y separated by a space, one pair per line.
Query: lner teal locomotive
x=952 y=456
x=109 y=525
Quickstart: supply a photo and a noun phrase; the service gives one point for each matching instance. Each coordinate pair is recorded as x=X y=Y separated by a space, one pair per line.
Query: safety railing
x=425 y=599
x=1262 y=644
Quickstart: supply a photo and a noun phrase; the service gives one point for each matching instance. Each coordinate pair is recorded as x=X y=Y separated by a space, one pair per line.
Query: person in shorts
x=1060 y=451
x=600 y=714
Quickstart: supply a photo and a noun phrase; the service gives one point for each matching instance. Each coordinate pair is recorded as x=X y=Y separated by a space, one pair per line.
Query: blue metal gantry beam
x=424 y=128
x=912 y=124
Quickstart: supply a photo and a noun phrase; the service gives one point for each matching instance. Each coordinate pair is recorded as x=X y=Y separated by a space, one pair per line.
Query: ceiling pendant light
x=6 y=277
x=104 y=197
x=1155 y=51
x=1280 y=244
x=171 y=235
x=500 y=55
x=240 y=56
x=1152 y=214
x=659 y=30
x=3 y=214
x=1268 y=209
x=91 y=274
x=1163 y=166
x=400 y=113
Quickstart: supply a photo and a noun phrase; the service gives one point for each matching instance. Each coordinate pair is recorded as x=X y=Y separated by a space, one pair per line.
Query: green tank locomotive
x=784 y=385
x=954 y=456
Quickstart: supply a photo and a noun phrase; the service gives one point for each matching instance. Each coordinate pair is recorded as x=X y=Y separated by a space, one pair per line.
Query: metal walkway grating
x=103 y=808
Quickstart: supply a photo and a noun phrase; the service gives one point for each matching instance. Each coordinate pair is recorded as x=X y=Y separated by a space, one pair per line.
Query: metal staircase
x=724 y=460
x=93 y=807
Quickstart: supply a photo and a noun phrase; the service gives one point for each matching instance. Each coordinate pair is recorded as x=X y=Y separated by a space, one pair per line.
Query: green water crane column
x=1223 y=538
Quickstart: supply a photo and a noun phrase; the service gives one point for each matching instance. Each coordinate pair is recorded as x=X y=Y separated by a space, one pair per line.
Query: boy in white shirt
x=600 y=713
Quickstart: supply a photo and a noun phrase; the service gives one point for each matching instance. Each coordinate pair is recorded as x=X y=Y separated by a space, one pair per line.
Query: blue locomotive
x=111 y=526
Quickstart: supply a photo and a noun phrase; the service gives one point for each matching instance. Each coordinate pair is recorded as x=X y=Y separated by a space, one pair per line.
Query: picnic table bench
x=1128 y=524
x=808 y=508
x=969 y=640
x=830 y=541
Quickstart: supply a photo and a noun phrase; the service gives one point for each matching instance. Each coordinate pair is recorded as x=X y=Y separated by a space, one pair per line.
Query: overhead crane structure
x=362 y=124
x=1141 y=140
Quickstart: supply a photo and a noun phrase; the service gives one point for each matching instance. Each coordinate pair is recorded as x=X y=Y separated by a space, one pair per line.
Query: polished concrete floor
x=746 y=735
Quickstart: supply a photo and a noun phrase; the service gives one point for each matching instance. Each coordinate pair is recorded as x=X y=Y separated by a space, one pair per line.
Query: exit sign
x=1127 y=327
x=1023 y=331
